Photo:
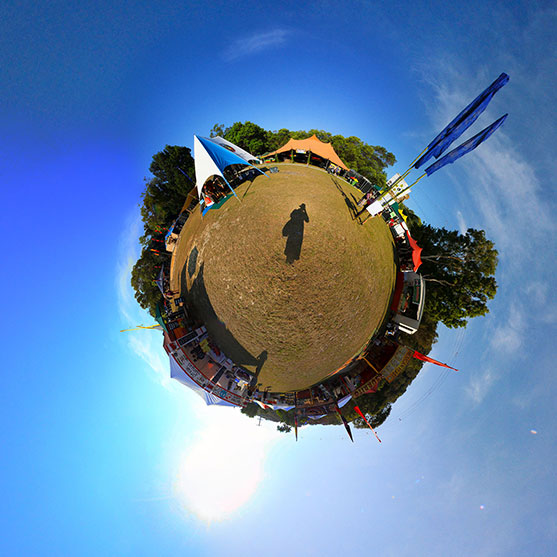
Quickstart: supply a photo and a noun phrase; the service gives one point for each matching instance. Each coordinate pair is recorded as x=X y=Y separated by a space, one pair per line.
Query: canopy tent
x=234 y=149
x=176 y=372
x=159 y=319
x=315 y=145
x=211 y=159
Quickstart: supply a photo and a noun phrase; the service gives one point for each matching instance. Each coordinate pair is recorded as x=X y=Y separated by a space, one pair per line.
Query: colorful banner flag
x=416 y=251
x=365 y=420
x=296 y=427
x=346 y=425
x=466 y=147
x=462 y=122
x=425 y=358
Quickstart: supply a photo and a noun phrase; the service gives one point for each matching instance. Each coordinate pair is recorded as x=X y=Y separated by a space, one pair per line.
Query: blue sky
x=101 y=452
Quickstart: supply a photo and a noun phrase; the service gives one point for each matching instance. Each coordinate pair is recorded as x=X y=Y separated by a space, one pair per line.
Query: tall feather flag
x=296 y=426
x=346 y=424
x=462 y=122
x=425 y=358
x=362 y=415
x=466 y=147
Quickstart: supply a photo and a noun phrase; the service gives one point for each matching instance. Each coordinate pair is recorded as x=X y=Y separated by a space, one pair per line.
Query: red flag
x=296 y=426
x=416 y=252
x=425 y=358
x=365 y=419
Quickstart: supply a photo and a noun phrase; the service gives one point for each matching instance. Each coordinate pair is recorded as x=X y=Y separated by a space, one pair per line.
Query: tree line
x=368 y=160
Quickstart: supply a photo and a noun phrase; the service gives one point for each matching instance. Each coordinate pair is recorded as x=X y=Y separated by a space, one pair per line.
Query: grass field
x=286 y=292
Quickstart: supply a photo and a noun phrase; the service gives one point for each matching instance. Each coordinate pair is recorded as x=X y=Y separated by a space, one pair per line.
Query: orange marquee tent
x=315 y=145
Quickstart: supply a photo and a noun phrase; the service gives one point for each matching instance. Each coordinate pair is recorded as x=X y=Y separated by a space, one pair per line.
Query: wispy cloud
x=500 y=191
x=500 y=182
x=145 y=344
x=508 y=336
x=255 y=44
x=481 y=384
x=462 y=227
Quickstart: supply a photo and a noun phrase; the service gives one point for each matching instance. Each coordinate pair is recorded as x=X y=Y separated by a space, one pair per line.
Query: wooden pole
x=411 y=185
x=403 y=176
x=369 y=364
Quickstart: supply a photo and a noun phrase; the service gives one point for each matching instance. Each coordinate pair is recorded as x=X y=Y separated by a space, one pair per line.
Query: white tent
x=211 y=159
x=235 y=149
x=176 y=372
x=205 y=166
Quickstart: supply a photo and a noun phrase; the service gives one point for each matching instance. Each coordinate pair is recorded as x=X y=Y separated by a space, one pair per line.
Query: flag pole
x=365 y=419
x=403 y=176
x=400 y=193
x=411 y=185
x=369 y=364
x=230 y=187
x=390 y=188
x=416 y=159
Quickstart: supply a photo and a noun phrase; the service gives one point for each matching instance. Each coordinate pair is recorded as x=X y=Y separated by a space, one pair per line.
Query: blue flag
x=462 y=122
x=466 y=147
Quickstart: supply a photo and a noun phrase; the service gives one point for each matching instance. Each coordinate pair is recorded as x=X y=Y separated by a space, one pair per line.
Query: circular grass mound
x=287 y=284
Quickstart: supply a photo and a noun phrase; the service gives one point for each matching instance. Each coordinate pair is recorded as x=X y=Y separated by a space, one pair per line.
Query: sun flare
x=221 y=470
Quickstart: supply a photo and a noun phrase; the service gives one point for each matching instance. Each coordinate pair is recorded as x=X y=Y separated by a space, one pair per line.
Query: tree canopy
x=459 y=270
x=369 y=160
x=173 y=177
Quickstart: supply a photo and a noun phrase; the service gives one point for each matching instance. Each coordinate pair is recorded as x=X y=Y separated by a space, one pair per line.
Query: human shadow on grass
x=351 y=206
x=261 y=359
x=192 y=261
x=203 y=310
x=293 y=231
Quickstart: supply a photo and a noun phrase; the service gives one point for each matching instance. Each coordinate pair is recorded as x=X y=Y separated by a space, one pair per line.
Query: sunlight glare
x=222 y=468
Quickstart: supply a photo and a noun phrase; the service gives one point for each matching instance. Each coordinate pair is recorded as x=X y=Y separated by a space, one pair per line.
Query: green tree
x=218 y=129
x=277 y=139
x=368 y=160
x=173 y=177
x=251 y=410
x=248 y=136
x=459 y=270
x=284 y=428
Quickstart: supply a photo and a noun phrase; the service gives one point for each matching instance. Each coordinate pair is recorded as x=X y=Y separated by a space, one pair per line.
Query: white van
x=411 y=305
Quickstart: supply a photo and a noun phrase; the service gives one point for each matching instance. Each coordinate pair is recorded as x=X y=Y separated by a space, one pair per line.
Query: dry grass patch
x=297 y=322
